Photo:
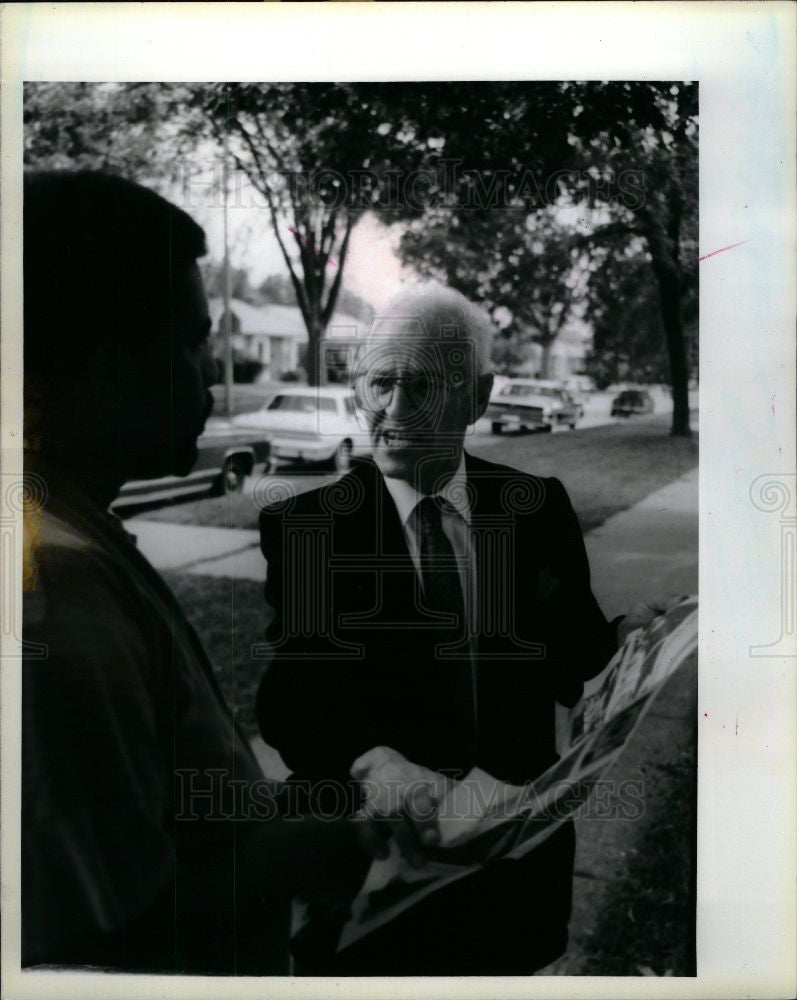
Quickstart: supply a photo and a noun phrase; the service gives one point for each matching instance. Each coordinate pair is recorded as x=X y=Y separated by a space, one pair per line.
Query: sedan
x=631 y=402
x=307 y=424
x=227 y=455
x=532 y=404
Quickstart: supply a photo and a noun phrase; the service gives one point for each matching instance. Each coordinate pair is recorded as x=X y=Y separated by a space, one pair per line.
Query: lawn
x=605 y=470
x=228 y=617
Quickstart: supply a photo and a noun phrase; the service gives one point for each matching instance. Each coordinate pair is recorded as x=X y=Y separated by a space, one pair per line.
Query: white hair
x=442 y=311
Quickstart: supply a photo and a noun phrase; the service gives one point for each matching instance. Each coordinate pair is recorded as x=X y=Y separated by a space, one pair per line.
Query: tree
x=240 y=287
x=629 y=342
x=619 y=158
x=510 y=352
x=316 y=154
x=651 y=130
x=132 y=129
x=279 y=288
x=518 y=263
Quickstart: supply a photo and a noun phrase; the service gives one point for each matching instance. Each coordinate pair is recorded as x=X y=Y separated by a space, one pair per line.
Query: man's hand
x=644 y=612
x=401 y=798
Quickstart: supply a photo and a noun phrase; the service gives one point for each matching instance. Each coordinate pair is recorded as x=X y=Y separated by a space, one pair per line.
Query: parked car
x=310 y=425
x=532 y=404
x=632 y=401
x=227 y=455
x=580 y=387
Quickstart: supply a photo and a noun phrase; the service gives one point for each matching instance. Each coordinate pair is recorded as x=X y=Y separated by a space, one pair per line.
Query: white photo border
x=742 y=55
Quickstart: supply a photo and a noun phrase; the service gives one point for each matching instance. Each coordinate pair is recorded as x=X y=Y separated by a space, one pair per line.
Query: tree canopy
x=545 y=193
x=541 y=200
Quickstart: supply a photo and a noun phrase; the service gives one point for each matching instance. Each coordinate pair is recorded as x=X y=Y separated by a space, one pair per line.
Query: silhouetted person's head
x=117 y=368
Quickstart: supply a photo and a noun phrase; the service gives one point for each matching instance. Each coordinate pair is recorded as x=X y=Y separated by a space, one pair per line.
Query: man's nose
x=399 y=405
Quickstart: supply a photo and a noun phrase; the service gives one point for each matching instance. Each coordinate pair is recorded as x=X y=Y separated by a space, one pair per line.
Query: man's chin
x=395 y=464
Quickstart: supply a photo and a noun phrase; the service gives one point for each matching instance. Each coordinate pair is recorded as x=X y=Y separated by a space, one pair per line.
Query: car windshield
x=303 y=403
x=529 y=390
x=631 y=397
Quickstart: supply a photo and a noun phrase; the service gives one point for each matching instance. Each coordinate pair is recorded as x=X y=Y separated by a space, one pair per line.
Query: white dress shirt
x=457 y=527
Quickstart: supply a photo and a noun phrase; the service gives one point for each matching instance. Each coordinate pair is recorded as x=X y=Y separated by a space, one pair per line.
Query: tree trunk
x=545 y=360
x=315 y=370
x=664 y=247
x=670 y=291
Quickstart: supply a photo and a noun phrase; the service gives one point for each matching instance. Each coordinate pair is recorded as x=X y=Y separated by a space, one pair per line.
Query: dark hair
x=101 y=255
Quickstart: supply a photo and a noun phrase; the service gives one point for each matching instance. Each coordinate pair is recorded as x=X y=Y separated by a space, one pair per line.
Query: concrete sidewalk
x=620 y=906
x=648 y=550
x=641 y=552
x=189 y=548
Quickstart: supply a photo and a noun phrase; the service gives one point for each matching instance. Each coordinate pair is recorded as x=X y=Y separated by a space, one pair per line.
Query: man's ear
x=481 y=398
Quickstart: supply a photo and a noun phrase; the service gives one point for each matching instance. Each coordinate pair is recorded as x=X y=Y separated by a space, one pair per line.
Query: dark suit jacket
x=359 y=662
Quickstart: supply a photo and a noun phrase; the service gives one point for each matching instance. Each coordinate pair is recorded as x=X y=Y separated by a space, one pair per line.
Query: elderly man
x=429 y=610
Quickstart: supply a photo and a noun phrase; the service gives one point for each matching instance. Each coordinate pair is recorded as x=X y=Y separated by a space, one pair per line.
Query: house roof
x=279 y=321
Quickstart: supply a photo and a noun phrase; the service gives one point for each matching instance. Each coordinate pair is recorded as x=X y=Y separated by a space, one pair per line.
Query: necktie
x=439 y=573
x=442 y=591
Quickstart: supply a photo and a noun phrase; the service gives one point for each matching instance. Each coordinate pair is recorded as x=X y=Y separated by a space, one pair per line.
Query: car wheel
x=232 y=477
x=572 y=426
x=546 y=428
x=497 y=428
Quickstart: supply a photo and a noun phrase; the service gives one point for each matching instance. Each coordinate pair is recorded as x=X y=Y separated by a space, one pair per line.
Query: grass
x=634 y=890
x=605 y=470
x=228 y=618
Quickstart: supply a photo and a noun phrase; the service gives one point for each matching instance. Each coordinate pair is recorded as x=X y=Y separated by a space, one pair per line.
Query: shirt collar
x=407 y=498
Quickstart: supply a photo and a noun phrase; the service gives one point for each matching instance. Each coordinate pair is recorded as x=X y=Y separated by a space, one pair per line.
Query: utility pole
x=227 y=282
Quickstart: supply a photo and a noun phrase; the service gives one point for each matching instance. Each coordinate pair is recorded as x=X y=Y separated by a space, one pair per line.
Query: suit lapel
x=502 y=524
x=369 y=537
x=367 y=522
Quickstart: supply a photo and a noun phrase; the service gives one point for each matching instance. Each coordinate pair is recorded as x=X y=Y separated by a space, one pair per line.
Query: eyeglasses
x=375 y=392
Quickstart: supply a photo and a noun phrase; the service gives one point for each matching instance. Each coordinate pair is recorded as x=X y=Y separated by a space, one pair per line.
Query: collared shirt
x=457 y=527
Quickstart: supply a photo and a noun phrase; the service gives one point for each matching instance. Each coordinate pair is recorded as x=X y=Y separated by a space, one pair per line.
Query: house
x=564 y=359
x=274 y=335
